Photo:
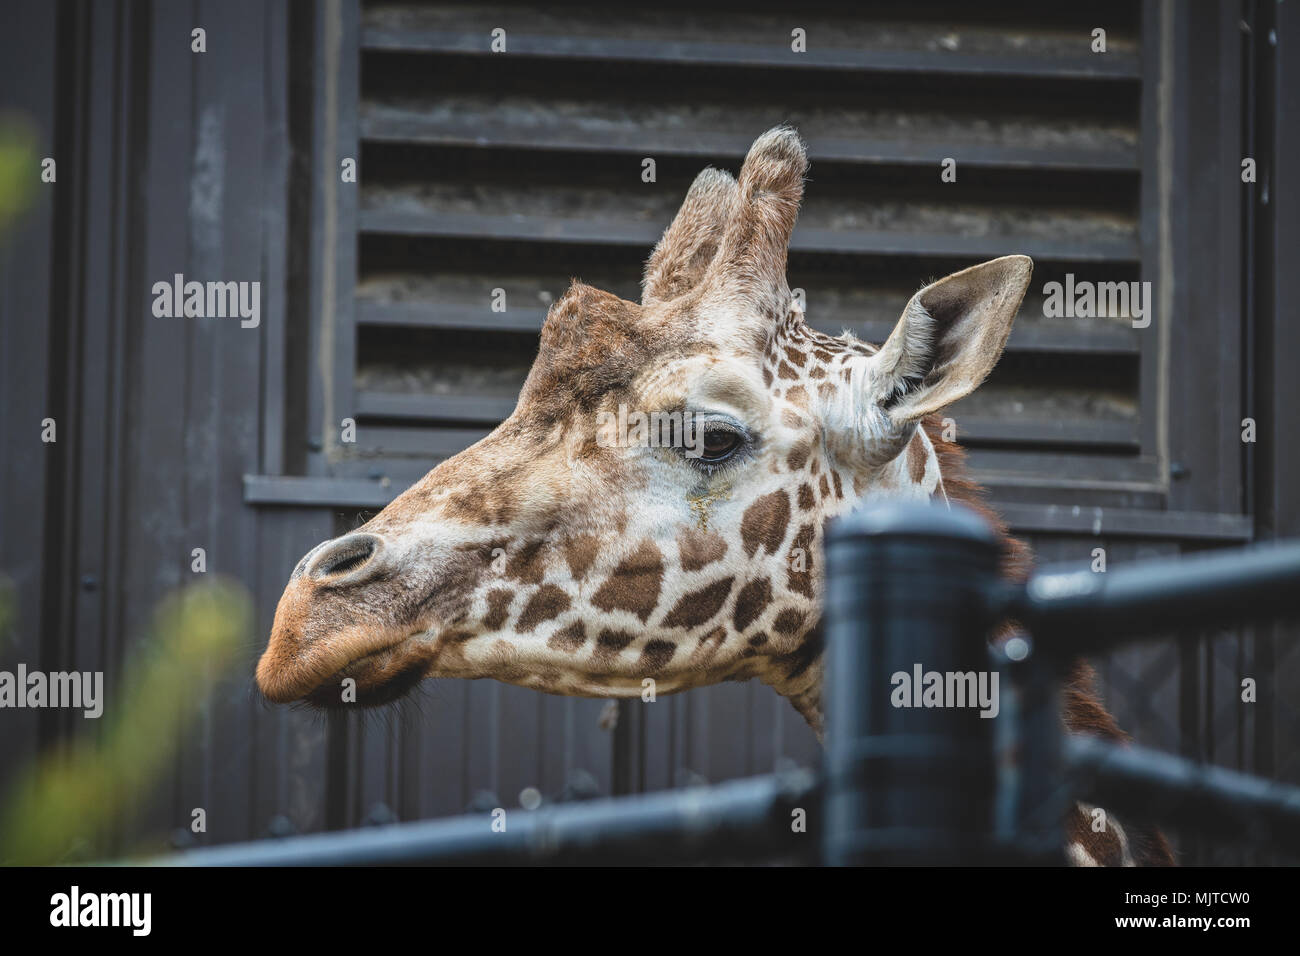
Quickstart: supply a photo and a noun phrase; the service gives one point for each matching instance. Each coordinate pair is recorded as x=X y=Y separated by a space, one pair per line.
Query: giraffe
x=561 y=555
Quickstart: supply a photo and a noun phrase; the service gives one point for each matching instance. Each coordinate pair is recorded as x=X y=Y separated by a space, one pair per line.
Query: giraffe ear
x=950 y=336
x=750 y=264
x=689 y=244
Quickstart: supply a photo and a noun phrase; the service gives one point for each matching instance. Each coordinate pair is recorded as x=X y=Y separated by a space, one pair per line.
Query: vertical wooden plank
x=319 y=220
x=481 y=730
x=1205 y=351
x=519 y=711
x=28 y=54
x=801 y=747
x=763 y=742
x=343 y=143
x=1152 y=235
x=658 y=758
x=143 y=557
x=275 y=173
x=286 y=750
x=589 y=745
x=553 y=744
x=335 y=78
x=210 y=171
x=443 y=755
x=227 y=207
x=78 y=633
x=730 y=732
x=1276 y=394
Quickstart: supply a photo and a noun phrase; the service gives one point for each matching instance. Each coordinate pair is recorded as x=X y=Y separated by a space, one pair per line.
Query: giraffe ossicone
x=549 y=556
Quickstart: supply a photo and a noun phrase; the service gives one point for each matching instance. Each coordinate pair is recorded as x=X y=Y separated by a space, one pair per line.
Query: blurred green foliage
x=68 y=804
x=20 y=169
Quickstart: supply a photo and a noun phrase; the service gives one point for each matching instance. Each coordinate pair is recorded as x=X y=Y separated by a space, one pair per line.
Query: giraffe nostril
x=303 y=561
x=352 y=557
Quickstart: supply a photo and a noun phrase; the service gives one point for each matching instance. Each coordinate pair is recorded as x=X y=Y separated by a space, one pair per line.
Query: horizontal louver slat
x=486 y=175
x=583 y=232
x=410 y=125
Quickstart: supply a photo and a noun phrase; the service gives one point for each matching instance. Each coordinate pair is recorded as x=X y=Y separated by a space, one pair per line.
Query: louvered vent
x=514 y=171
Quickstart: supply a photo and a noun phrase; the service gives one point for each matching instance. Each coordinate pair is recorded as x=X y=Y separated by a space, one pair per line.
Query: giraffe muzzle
x=319 y=632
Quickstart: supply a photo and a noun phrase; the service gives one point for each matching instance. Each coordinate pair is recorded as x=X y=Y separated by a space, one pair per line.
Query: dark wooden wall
x=518 y=170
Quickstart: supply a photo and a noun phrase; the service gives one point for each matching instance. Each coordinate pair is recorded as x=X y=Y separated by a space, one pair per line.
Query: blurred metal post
x=908 y=589
x=1032 y=797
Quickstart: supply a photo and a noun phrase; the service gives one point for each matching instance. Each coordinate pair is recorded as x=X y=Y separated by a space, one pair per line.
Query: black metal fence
x=913 y=590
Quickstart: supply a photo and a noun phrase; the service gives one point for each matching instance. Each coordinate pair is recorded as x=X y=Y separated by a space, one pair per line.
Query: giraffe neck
x=916 y=474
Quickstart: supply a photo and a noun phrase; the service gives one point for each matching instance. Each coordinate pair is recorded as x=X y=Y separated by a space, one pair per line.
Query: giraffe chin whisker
x=376 y=679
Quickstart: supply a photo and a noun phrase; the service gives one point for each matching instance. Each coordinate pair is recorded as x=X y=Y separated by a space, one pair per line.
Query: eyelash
x=737 y=457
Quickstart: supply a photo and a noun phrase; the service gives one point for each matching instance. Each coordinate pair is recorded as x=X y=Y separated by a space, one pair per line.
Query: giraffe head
x=653 y=508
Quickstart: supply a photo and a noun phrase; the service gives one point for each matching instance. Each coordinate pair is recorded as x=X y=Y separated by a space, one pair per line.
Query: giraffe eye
x=719 y=444
x=713 y=442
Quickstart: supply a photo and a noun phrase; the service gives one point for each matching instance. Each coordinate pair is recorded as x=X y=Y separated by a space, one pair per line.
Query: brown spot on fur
x=825 y=487
x=798 y=397
x=580 y=552
x=716 y=635
x=801 y=580
x=758 y=640
x=699 y=549
x=699 y=607
x=549 y=601
x=798 y=456
x=634 y=585
x=767 y=379
x=788 y=621
x=839 y=485
x=916 y=458
x=526 y=564
x=609 y=643
x=569 y=639
x=498 y=600
x=504 y=661
x=752 y=600
x=796 y=357
x=487 y=501
x=822 y=355
x=656 y=655
x=791 y=419
x=825 y=391
x=707 y=647
x=765 y=522
x=816 y=372
x=804 y=657
x=1104 y=846
x=806 y=498
x=786 y=372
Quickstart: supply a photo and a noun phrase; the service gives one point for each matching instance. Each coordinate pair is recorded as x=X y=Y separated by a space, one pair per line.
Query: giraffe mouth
x=378 y=678
x=362 y=665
